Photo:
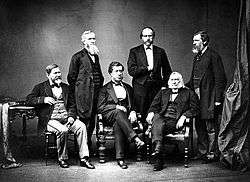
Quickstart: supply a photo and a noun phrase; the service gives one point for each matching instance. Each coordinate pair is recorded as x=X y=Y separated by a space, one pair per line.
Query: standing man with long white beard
x=85 y=79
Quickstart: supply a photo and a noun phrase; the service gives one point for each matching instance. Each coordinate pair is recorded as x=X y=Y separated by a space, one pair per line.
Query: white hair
x=83 y=36
x=177 y=75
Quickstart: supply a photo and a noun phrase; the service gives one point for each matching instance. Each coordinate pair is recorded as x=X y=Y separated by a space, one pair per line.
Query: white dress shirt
x=149 y=54
x=120 y=91
x=57 y=91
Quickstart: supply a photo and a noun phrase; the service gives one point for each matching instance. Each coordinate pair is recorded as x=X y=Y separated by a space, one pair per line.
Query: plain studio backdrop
x=35 y=33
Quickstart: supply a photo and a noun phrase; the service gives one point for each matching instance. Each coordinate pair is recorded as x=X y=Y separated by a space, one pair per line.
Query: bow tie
x=198 y=57
x=148 y=48
x=116 y=84
x=55 y=85
x=176 y=92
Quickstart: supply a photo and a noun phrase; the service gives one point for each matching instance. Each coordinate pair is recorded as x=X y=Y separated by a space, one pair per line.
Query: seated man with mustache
x=168 y=112
x=57 y=114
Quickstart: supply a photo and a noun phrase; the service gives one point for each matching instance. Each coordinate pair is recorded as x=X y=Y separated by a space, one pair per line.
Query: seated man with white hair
x=168 y=112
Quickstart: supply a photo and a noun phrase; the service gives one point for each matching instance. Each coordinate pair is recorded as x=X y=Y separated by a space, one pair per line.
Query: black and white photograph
x=124 y=90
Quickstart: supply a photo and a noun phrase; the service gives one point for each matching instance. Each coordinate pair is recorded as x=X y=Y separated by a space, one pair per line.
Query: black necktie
x=55 y=85
x=116 y=84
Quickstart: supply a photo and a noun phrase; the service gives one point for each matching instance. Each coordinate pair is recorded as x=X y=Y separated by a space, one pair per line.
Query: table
x=25 y=112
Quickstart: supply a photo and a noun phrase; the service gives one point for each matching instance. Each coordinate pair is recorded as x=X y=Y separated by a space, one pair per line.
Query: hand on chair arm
x=70 y=122
x=132 y=117
x=180 y=122
x=122 y=108
x=150 y=117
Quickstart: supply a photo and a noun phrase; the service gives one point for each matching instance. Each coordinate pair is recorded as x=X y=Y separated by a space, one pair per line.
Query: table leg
x=24 y=127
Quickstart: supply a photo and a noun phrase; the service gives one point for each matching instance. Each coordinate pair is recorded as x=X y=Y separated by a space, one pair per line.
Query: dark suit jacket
x=137 y=65
x=80 y=79
x=212 y=84
x=187 y=103
x=43 y=110
x=107 y=100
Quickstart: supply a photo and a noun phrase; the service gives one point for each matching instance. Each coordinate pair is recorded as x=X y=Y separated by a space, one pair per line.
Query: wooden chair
x=185 y=136
x=51 y=146
x=105 y=133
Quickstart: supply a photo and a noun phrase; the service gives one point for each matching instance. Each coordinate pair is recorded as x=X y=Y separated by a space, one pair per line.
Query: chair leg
x=46 y=148
x=101 y=149
x=186 y=141
x=148 y=150
x=76 y=147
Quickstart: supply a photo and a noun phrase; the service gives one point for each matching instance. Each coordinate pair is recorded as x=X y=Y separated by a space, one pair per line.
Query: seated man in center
x=115 y=103
x=57 y=113
x=168 y=113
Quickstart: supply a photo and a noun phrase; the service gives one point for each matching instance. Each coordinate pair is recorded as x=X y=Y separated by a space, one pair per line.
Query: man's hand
x=181 y=122
x=132 y=117
x=150 y=117
x=150 y=68
x=217 y=103
x=121 y=108
x=49 y=100
x=70 y=122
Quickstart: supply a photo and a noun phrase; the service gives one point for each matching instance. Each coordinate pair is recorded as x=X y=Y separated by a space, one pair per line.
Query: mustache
x=58 y=78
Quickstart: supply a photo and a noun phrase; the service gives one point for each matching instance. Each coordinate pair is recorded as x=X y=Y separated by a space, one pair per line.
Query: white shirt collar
x=203 y=50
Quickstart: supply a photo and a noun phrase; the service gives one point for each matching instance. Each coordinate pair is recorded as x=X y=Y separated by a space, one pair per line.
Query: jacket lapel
x=111 y=91
x=205 y=62
x=165 y=97
x=155 y=56
x=143 y=55
x=128 y=95
x=48 y=90
x=85 y=59
x=64 y=93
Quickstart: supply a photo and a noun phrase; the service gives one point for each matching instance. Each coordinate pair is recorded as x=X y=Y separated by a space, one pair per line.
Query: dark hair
x=113 y=64
x=148 y=28
x=204 y=36
x=51 y=67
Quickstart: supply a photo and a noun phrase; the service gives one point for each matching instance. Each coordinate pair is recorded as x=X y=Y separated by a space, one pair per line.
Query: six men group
x=157 y=93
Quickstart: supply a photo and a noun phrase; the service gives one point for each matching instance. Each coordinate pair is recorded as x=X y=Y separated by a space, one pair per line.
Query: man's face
x=90 y=39
x=174 y=82
x=147 y=36
x=198 y=45
x=55 y=75
x=89 y=44
x=117 y=74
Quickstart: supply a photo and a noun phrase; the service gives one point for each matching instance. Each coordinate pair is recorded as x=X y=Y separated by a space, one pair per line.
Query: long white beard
x=92 y=49
x=58 y=81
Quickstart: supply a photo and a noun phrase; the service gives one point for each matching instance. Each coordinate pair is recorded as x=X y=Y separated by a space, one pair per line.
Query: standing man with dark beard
x=85 y=79
x=150 y=69
x=208 y=79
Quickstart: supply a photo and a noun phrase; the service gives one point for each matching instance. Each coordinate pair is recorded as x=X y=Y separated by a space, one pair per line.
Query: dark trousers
x=162 y=126
x=144 y=95
x=90 y=122
x=123 y=131
x=207 y=136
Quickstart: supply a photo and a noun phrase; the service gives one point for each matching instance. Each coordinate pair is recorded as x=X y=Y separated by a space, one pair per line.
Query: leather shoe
x=208 y=160
x=122 y=164
x=63 y=164
x=87 y=164
x=157 y=149
x=139 y=143
x=158 y=166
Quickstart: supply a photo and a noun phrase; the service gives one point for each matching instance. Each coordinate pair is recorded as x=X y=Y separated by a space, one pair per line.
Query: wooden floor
x=34 y=169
